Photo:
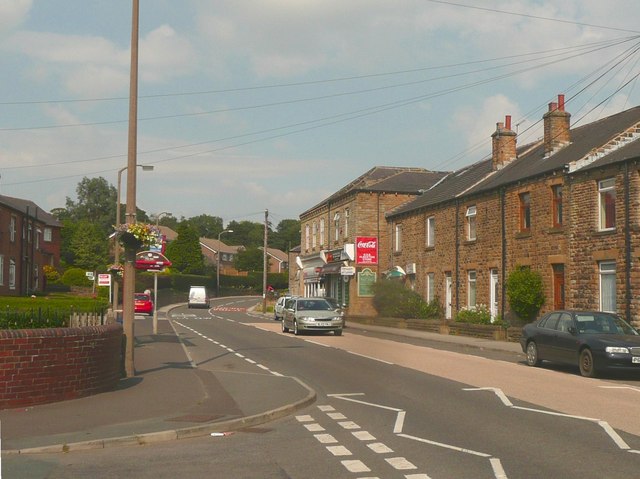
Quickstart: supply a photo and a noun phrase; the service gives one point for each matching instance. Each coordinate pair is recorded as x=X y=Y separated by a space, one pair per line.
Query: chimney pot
x=561 y=102
x=553 y=106
x=507 y=122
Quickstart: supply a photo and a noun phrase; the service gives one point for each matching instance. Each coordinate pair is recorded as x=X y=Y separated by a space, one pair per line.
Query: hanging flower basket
x=115 y=269
x=137 y=235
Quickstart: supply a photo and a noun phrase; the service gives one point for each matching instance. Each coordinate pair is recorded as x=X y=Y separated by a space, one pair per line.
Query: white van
x=198 y=297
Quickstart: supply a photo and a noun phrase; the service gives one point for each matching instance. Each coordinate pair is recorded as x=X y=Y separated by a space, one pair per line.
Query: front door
x=493 y=293
x=558 y=286
x=447 y=295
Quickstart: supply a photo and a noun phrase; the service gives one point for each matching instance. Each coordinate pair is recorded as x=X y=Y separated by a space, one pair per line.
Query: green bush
x=75 y=277
x=525 y=292
x=392 y=299
x=478 y=315
x=19 y=312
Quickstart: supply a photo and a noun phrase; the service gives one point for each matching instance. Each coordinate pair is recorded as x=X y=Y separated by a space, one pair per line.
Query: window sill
x=555 y=230
x=606 y=232
x=469 y=242
x=523 y=235
x=429 y=248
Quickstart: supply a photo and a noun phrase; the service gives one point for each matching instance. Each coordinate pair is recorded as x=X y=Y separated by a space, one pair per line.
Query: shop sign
x=366 y=280
x=367 y=250
x=348 y=270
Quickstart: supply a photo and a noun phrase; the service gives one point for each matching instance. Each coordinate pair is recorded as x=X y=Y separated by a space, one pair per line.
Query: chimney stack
x=503 y=143
x=556 y=127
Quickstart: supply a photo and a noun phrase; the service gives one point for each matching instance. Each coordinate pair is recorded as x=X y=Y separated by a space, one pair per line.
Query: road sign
x=151 y=261
x=104 y=279
x=89 y=275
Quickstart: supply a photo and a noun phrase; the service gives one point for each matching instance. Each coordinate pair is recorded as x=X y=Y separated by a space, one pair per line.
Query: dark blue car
x=593 y=340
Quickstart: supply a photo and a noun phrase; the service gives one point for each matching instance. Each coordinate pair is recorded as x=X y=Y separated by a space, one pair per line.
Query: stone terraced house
x=565 y=206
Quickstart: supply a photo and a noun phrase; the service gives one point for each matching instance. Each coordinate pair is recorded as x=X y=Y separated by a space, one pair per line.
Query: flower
x=146 y=234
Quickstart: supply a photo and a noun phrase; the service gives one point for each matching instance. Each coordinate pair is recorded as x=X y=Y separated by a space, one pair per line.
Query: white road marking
x=349 y=425
x=315 y=427
x=399 y=424
x=400 y=463
x=416 y=476
x=325 y=438
x=339 y=451
x=498 y=470
x=326 y=408
x=239 y=355
x=304 y=418
x=364 y=435
x=369 y=357
x=336 y=415
x=379 y=448
x=446 y=446
x=355 y=466
x=317 y=343
x=262 y=367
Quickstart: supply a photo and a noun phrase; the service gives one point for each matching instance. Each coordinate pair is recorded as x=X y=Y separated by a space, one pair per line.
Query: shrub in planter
x=392 y=299
x=525 y=292
x=477 y=315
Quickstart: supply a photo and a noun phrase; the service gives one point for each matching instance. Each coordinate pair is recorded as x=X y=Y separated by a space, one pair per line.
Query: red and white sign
x=151 y=261
x=366 y=250
x=104 y=279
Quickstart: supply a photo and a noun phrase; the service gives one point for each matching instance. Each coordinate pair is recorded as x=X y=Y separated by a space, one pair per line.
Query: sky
x=253 y=105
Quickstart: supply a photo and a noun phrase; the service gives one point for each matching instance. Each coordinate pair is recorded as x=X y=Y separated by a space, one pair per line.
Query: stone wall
x=39 y=366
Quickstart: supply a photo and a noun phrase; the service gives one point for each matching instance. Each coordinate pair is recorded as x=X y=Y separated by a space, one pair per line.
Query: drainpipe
x=503 y=239
x=457 y=261
x=627 y=243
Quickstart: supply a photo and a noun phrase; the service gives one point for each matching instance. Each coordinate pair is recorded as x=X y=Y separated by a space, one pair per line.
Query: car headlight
x=617 y=349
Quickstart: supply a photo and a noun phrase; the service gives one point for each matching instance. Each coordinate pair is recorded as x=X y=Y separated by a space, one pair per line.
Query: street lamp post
x=218 y=263
x=117 y=246
x=155 y=283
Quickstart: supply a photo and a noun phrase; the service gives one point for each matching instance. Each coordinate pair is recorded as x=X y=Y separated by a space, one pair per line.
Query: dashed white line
x=324 y=408
x=339 y=451
x=349 y=425
x=240 y=355
x=364 y=435
x=304 y=418
x=315 y=427
x=326 y=438
x=262 y=367
x=355 y=466
x=400 y=463
x=379 y=448
x=336 y=415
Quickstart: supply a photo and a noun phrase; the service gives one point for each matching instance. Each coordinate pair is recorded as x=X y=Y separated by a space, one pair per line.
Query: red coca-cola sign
x=366 y=250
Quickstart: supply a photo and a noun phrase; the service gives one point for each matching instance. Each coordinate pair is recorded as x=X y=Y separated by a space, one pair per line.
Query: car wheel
x=338 y=332
x=587 y=365
x=532 y=354
x=284 y=328
x=295 y=328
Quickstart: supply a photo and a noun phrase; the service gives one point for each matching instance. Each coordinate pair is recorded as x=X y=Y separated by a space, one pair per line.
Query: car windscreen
x=314 y=305
x=596 y=323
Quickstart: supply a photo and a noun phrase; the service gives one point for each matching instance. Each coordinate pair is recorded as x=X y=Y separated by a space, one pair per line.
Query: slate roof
x=387 y=179
x=29 y=207
x=531 y=162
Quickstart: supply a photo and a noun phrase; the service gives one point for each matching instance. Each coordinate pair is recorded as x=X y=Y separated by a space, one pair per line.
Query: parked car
x=198 y=297
x=278 y=308
x=593 y=340
x=143 y=303
x=311 y=314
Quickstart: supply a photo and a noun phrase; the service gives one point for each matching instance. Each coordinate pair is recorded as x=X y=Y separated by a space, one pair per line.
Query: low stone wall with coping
x=39 y=366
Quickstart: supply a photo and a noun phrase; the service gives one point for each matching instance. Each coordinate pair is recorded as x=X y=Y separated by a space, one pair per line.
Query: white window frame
x=472 y=288
x=321 y=232
x=346 y=222
x=12 y=229
x=397 y=243
x=307 y=238
x=1 y=270
x=607 y=286
x=12 y=274
x=431 y=287
x=336 y=227
x=606 y=187
x=431 y=231
x=48 y=235
x=471 y=222
x=314 y=233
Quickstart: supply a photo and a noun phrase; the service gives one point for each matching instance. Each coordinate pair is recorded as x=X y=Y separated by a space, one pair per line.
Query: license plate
x=635 y=359
x=326 y=324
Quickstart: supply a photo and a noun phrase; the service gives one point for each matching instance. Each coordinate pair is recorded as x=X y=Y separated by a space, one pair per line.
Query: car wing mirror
x=573 y=330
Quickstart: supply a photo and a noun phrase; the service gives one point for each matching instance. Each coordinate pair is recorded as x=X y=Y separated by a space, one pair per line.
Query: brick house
x=29 y=240
x=330 y=230
x=211 y=248
x=565 y=206
x=277 y=260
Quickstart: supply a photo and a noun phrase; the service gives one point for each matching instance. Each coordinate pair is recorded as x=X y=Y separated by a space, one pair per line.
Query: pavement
x=169 y=399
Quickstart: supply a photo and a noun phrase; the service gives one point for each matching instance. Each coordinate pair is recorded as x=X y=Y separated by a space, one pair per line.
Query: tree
x=246 y=233
x=206 y=226
x=185 y=252
x=251 y=259
x=88 y=246
x=286 y=236
x=96 y=203
x=525 y=291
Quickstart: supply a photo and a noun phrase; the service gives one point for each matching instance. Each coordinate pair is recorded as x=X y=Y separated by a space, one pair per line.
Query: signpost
x=153 y=261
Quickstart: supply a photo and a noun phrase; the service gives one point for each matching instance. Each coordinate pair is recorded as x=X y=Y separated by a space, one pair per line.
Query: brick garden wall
x=39 y=366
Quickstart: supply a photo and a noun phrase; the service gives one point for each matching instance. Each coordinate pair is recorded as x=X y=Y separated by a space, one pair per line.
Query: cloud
x=13 y=13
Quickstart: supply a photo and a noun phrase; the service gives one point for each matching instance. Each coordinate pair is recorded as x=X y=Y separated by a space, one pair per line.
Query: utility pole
x=265 y=262
x=129 y=282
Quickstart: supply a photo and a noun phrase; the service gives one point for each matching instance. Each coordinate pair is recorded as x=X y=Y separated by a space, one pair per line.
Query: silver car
x=278 y=308
x=311 y=314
